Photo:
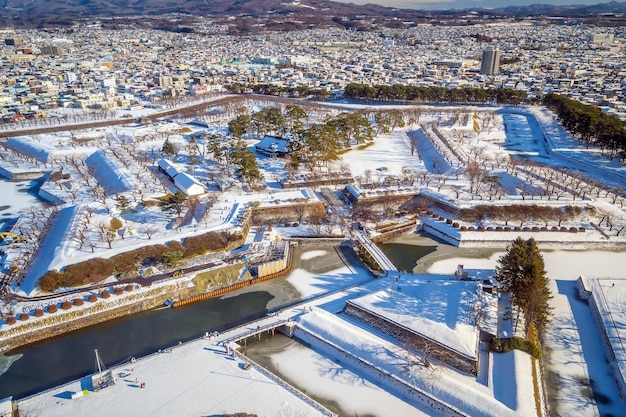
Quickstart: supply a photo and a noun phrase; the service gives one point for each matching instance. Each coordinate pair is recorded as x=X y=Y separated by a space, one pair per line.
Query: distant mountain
x=289 y=13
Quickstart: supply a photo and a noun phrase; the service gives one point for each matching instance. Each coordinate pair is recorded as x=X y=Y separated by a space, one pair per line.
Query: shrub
x=554 y=229
x=174 y=246
x=544 y=229
x=23 y=316
x=128 y=288
x=563 y=229
x=115 y=223
x=78 y=302
x=429 y=212
x=582 y=229
x=66 y=305
x=38 y=312
x=105 y=294
x=463 y=228
x=52 y=308
x=92 y=298
x=481 y=228
x=489 y=228
x=573 y=230
x=93 y=270
x=534 y=229
x=526 y=229
x=517 y=229
x=11 y=320
x=118 y=291
x=455 y=225
x=50 y=281
x=441 y=218
x=499 y=228
x=471 y=228
x=448 y=221
x=507 y=228
x=170 y=258
x=199 y=245
x=515 y=343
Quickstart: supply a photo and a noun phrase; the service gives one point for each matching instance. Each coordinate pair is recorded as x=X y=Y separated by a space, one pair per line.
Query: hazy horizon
x=467 y=4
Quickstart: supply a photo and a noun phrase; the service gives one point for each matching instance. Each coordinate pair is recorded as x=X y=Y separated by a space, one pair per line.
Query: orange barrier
x=220 y=291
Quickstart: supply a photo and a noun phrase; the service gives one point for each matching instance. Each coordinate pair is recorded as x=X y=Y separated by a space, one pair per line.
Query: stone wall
x=419 y=342
x=287 y=212
x=38 y=334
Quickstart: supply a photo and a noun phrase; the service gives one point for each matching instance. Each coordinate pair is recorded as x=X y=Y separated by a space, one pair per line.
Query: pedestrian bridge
x=374 y=251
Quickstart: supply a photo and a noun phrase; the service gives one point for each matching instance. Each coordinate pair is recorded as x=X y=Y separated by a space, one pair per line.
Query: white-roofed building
x=183 y=181
x=188 y=184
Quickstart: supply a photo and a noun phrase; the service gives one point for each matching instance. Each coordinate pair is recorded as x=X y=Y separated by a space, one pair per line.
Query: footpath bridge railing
x=379 y=257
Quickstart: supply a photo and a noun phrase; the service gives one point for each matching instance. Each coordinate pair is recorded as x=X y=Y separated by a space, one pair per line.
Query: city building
x=491 y=61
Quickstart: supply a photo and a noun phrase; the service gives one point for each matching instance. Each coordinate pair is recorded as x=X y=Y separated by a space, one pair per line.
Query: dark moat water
x=48 y=363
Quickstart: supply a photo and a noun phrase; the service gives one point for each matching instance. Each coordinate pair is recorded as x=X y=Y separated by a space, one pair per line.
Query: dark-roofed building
x=273 y=146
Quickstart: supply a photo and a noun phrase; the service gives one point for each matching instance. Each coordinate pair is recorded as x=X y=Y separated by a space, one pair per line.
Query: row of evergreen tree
x=434 y=94
x=589 y=124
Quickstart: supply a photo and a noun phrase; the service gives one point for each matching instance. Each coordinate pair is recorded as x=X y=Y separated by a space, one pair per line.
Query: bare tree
x=149 y=231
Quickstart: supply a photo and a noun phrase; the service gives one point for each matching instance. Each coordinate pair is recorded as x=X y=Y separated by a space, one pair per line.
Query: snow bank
x=456 y=391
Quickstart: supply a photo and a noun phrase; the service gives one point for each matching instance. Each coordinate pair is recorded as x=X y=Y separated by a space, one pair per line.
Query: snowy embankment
x=447 y=391
x=589 y=239
x=77 y=310
x=606 y=297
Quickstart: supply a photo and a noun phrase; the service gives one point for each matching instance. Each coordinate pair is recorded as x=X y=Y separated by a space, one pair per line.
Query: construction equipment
x=9 y=237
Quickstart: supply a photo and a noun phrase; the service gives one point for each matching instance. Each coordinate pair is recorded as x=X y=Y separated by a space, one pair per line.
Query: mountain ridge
x=63 y=12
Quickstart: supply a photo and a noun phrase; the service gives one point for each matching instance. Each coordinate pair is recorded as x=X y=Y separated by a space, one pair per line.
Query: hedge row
x=515 y=343
x=126 y=264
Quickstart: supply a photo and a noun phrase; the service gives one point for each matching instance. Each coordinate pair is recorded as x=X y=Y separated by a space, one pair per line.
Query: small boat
x=169 y=302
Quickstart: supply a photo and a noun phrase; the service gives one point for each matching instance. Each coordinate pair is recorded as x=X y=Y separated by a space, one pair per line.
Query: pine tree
x=175 y=203
x=123 y=204
x=168 y=148
x=520 y=271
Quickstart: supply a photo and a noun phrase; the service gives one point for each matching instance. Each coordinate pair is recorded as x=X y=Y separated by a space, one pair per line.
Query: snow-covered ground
x=575 y=357
x=575 y=354
x=195 y=379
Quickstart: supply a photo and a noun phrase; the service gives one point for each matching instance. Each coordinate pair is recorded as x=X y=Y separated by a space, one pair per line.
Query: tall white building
x=490 y=62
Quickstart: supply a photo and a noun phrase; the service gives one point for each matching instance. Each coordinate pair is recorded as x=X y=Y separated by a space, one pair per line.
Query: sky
x=465 y=4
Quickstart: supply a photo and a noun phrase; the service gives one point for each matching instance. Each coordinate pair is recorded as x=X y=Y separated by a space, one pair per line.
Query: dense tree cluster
x=434 y=94
x=589 y=123
x=520 y=213
x=127 y=263
x=520 y=272
x=245 y=163
x=315 y=144
x=300 y=91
